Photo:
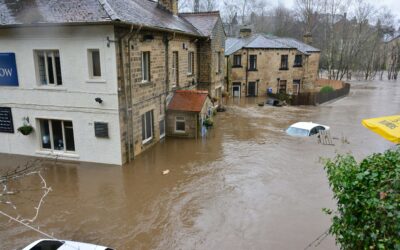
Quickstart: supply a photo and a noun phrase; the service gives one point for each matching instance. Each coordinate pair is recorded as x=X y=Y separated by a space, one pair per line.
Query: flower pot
x=26 y=129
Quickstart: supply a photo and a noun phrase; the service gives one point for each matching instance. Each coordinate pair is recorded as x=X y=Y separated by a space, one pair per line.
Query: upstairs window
x=146 y=66
x=284 y=62
x=298 y=61
x=175 y=69
x=218 y=62
x=190 y=63
x=94 y=63
x=253 y=62
x=237 y=61
x=49 y=68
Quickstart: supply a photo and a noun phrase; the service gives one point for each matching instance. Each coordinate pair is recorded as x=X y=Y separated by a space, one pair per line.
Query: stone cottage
x=187 y=112
x=93 y=78
x=259 y=63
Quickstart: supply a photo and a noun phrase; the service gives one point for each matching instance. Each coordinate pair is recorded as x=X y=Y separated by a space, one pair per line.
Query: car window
x=293 y=131
x=314 y=131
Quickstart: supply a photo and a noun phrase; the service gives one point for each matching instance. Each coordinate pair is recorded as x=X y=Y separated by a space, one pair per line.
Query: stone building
x=93 y=78
x=258 y=63
x=187 y=112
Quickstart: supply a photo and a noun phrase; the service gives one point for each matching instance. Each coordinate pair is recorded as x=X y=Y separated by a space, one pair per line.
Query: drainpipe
x=247 y=70
x=123 y=77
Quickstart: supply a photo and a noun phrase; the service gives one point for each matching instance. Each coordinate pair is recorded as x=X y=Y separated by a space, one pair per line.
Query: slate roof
x=204 y=22
x=138 y=12
x=261 y=41
x=188 y=100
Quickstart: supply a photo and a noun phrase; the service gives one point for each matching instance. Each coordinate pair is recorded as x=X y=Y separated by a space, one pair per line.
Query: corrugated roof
x=261 y=41
x=188 y=100
x=140 y=12
x=204 y=22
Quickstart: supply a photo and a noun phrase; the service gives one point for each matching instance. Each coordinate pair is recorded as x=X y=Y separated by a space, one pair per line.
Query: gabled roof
x=204 y=22
x=188 y=100
x=261 y=41
x=146 y=13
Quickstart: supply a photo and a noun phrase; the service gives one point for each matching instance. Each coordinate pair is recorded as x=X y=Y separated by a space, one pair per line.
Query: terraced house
x=91 y=80
x=259 y=63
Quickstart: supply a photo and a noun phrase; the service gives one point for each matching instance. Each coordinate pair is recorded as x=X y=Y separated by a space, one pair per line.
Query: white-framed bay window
x=147 y=126
x=57 y=135
x=48 y=67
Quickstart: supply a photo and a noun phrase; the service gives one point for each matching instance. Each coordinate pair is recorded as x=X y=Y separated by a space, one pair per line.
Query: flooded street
x=247 y=186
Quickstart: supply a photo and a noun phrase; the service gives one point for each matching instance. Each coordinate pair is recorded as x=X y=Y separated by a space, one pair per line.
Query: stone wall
x=268 y=73
x=135 y=97
x=191 y=124
x=209 y=77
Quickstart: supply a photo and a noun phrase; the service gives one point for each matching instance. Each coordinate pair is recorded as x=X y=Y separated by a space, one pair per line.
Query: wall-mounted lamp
x=99 y=100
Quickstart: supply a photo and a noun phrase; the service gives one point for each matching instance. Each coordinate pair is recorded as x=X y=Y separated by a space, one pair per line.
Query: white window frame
x=162 y=122
x=190 y=63
x=175 y=69
x=50 y=123
x=90 y=64
x=146 y=74
x=180 y=119
x=151 y=127
x=52 y=53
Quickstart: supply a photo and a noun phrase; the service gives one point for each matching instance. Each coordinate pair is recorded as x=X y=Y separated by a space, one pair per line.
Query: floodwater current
x=246 y=186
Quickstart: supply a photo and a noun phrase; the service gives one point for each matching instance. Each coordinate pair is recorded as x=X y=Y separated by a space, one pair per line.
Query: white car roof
x=307 y=125
x=69 y=245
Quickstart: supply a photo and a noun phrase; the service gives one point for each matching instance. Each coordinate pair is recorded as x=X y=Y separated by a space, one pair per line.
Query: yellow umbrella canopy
x=388 y=127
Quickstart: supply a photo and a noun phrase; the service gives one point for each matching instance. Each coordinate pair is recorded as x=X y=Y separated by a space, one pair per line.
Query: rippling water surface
x=246 y=186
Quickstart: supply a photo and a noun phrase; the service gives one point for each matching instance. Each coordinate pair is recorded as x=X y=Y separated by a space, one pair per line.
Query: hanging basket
x=26 y=129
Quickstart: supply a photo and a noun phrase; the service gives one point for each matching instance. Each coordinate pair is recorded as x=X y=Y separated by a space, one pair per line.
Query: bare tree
x=13 y=191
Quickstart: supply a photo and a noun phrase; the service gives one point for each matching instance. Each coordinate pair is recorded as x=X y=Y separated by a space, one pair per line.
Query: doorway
x=252 y=89
x=236 y=90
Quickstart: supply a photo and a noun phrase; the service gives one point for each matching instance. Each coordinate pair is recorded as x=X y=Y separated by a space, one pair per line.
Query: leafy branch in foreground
x=368 y=200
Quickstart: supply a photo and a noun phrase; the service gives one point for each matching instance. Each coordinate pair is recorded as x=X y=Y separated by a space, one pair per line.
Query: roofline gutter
x=116 y=23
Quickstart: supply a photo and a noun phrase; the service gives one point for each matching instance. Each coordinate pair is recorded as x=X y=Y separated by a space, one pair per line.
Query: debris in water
x=165 y=172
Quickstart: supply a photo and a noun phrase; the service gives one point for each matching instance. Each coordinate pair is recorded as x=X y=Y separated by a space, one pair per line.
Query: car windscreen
x=293 y=131
x=48 y=245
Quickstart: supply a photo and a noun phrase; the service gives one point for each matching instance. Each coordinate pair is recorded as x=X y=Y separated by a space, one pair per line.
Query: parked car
x=47 y=244
x=304 y=129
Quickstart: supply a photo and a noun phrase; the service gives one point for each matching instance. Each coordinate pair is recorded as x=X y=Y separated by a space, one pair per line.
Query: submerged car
x=304 y=129
x=47 y=244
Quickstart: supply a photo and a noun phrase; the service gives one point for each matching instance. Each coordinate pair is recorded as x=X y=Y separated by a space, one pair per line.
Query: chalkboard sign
x=101 y=129
x=6 y=121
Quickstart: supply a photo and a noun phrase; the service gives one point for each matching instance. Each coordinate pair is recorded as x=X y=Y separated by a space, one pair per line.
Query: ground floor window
x=282 y=86
x=162 y=128
x=57 y=135
x=147 y=126
x=180 y=124
x=296 y=87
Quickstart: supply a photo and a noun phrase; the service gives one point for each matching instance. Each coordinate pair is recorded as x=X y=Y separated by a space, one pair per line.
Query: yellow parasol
x=388 y=127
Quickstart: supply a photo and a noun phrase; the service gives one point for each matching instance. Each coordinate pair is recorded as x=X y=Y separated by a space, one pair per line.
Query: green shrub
x=368 y=201
x=326 y=89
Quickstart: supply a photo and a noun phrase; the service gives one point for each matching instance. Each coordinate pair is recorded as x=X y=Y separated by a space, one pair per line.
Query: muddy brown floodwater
x=246 y=186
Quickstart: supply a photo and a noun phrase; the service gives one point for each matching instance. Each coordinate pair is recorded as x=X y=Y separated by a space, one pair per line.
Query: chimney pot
x=245 y=32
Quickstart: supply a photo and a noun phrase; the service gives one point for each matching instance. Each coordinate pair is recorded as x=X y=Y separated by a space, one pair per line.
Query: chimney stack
x=307 y=38
x=169 y=5
x=245 y=32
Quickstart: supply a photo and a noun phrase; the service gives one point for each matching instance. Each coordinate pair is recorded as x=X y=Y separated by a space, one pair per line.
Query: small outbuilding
x=189 y=111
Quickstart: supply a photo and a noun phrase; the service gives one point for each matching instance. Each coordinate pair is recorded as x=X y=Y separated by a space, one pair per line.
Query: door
x=251 y=89
x=236 y=90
